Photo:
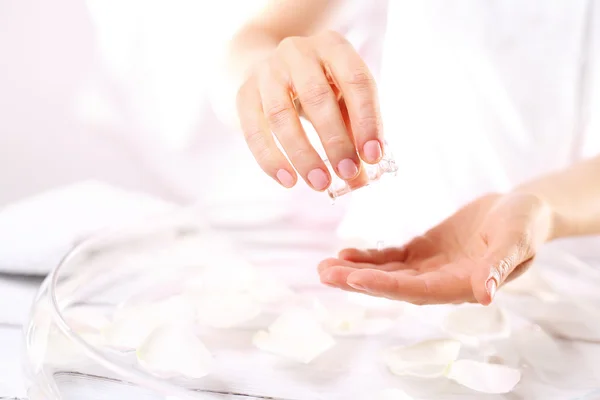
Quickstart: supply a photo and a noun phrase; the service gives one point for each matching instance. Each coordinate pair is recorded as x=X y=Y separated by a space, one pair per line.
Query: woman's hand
x=463 y=259
x=336 y=91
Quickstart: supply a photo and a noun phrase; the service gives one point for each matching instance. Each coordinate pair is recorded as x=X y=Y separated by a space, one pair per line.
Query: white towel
x=35 y=233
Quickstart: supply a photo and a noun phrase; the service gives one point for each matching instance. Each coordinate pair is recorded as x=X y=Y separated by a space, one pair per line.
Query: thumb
x=499 y=262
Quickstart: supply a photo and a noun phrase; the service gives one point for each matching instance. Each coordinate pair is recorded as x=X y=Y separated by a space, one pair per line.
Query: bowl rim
x=139 y=377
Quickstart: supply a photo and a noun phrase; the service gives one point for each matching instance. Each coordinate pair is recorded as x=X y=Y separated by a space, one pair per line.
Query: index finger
x=353 y=78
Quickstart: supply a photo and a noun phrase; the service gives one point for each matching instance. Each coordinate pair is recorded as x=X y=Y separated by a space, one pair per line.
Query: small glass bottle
x=369 y=174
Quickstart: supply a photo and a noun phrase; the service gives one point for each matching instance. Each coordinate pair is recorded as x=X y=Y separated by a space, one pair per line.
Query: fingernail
x=357 y=286
x=491 y=287
x=285 y=178
x=347 y=169
x=318 y=179
x=372 y=150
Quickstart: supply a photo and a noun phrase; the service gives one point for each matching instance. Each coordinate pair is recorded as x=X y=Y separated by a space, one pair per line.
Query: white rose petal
x=132 y=324
x=173 y=351
x=224 y=310
x=428 y=359
x=238 y=276
x=241 y=277
x=297 y=335
x=474 y=324
x=346 y=319
x=266 y=289
x=86 y=319
x=484 y=377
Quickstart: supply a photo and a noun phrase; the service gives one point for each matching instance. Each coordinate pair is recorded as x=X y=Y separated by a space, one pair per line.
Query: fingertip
x=336 y=275
x=327 y=263
x=318 y=179
x=326 y=279
x=372 y=151
x=350 y=254
x=484 y=288
x=285 y=178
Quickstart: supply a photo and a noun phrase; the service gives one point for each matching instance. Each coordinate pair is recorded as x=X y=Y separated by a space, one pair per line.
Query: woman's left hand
x=463 y=259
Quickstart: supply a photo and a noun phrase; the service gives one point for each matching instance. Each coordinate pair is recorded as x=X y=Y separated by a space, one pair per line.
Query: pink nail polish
x=491 y=287
x=347 y=168
x=285 y=178
x=372 y=151
x=318 y=179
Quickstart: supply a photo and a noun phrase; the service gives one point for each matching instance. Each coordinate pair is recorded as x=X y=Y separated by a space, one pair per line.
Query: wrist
x=551 y=221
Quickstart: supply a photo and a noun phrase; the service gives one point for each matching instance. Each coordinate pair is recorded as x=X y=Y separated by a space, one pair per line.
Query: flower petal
x=347 y=319
x=427 y=359
x=132 y=324
x=225 y=309
x=173 y=351
x=295 y=334
x=484 y=377
x=473 y=324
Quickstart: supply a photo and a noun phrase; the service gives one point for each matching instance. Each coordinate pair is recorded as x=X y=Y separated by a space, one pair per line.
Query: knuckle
x=361 y=79
x=279 y=114
x=259 y=147
x=369 y=122
x=300 y=154
x=368 y=118
x=335 y=142
x=254 y=137
x=291 y=43
x=316 y=94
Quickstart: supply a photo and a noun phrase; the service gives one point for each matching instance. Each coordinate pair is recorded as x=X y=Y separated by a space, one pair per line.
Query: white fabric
x=37 y=232
x=476 y=96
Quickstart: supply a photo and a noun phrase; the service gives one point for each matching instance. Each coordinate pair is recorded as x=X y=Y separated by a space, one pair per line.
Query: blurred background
x=108 y=90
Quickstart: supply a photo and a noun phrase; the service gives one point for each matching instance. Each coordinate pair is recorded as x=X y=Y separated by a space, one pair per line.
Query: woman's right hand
x=337 y=93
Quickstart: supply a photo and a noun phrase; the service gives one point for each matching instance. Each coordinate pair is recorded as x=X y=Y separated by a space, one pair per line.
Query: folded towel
x=35 y=233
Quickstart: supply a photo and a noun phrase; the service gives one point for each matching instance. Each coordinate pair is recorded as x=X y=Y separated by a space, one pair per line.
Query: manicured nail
x=285 y=178
x=318 y=179
x=347 y=169
x=357 y=286
x=491 y=287
x=372 y=150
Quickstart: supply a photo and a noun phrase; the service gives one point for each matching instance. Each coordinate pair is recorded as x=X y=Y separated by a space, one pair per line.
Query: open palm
x=463 y=259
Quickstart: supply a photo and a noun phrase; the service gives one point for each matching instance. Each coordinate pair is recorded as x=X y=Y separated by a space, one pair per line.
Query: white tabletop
x=16 y=296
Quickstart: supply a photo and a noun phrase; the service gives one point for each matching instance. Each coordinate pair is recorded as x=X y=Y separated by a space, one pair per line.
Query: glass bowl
x=75 y=349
